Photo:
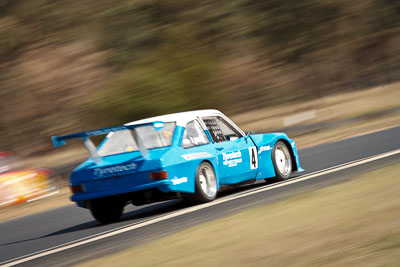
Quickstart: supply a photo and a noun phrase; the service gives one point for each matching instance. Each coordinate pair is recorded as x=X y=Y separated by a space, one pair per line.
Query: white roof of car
x=181 y=118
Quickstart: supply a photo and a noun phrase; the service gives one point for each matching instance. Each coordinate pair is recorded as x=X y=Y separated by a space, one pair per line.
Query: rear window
x=123 y=141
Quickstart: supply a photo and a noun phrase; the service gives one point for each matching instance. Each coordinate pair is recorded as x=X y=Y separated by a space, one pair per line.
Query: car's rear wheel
x=206 y=184
x=106 y=210
x=282 y=161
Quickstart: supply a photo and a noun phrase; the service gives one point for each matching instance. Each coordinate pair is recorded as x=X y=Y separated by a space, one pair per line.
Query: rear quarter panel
x=182 y=163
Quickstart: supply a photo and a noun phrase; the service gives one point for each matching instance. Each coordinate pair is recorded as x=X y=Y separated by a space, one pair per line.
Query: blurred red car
x=19 y=185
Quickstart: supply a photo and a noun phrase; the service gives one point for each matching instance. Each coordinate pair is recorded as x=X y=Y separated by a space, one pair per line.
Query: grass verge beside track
x=355 y=223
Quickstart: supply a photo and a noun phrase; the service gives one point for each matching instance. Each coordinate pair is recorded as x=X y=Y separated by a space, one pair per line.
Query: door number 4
x=253 y=157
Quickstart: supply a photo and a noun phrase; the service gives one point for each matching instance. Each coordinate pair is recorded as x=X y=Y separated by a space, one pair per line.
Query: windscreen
x=123 y=141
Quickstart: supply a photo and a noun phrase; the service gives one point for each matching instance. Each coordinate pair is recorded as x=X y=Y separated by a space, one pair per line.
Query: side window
x=220 y=130
x=229 y=132
x=194 y=135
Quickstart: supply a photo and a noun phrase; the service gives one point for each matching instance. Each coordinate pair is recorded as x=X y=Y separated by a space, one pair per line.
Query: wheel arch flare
x=292 y=154
x=265 y=144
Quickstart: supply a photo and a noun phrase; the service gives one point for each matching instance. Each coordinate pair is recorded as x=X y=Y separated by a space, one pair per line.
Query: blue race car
x=189 y=155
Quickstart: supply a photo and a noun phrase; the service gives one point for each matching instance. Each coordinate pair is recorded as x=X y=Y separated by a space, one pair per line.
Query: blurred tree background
x=69 y=66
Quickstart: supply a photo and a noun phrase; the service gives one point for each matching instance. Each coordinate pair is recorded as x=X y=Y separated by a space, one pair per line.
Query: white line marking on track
x=44 y=196
x=167 y=216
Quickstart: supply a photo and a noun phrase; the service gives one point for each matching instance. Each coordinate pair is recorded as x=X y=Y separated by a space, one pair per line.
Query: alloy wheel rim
x=282 y=160
x=208 y=183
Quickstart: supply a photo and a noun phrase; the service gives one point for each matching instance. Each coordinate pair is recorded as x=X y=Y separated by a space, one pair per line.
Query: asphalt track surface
x=31 y=234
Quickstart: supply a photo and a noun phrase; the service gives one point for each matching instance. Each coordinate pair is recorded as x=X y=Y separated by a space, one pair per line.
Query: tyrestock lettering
x=232 y=159
x=115 y=170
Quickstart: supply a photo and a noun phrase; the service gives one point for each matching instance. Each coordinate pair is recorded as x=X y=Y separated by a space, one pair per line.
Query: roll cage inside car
x=218 y=128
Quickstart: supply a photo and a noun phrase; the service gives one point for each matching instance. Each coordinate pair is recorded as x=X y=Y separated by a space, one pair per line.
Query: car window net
x=214 y=129
x=227 y=129
x=220 y=130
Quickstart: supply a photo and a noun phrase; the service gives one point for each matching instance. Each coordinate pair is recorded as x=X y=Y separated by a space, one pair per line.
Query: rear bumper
x=182 y=185
x=162 y=185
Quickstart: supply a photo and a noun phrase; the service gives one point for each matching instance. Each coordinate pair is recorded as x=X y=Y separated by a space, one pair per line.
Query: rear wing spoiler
x=62 y=140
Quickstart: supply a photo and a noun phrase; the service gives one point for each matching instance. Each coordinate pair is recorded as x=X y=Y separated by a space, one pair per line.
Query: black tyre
x=282 y=161
x=206 y=184
x=106 y=210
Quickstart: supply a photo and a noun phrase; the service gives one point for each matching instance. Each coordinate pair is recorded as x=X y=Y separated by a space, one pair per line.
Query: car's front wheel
x=282 y=161
x=106 y=210
x=206 y=184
